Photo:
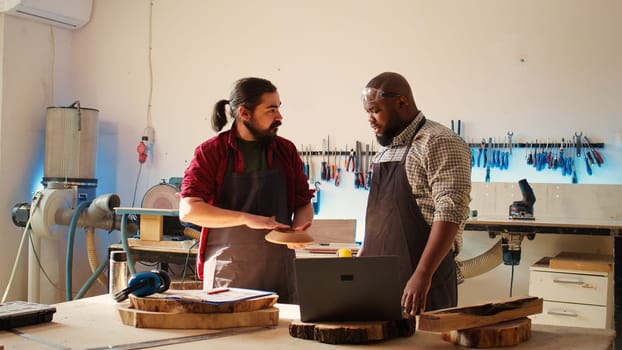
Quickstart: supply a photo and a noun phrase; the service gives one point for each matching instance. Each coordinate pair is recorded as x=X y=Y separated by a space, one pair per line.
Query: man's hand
x=302 y=227
x=415 y=294
x=264 y=222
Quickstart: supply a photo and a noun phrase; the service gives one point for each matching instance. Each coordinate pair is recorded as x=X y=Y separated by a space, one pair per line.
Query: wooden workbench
x=94 y=323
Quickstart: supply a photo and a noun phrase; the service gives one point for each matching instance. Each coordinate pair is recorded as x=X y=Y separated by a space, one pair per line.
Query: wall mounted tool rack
x=531 y=144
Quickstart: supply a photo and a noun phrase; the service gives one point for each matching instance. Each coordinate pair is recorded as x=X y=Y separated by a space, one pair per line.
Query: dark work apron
x=240 y=256
x=395 y=226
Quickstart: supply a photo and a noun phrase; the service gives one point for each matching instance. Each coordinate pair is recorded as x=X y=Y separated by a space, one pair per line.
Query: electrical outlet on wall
x=150 y=133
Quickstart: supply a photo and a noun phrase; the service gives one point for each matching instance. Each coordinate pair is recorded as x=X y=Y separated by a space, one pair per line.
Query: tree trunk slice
x=353 y=332
x=159 y=303
x=167 y=320
x=508 y=333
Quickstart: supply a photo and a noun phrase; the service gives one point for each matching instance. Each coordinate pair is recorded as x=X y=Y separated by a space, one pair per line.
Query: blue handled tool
x=305 y=163
x=145 y=283
x=315 y=201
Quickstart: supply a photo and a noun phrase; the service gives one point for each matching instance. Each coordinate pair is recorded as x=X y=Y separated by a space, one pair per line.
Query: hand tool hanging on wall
x=457 y=131
x=315 y=201
x=338 y=171
x=562 y=157
x=305 y=161
x=505 y=157
x=473 y=157
x=510 y=134
x=487 y=156
x=351 y=160
x=574 y=170
x=323 y=172
x=310 y=162
x=482 y=147
x=588 y=167
x=577 y=143
x=329 y=167
x=549 y=158
x=597 y=156
x=333 y=170
x=588 y=154
x=359 y=181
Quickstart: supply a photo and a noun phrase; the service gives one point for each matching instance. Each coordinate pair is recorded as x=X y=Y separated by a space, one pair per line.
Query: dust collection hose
x=70 y=238
x=97 y=216
x=91 y=253
x=483 y=262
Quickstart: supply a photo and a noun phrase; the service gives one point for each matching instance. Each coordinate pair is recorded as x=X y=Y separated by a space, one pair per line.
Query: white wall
x=539 y=69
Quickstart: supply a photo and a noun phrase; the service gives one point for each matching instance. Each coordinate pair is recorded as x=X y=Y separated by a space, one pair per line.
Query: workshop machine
x=523 y=209
x=67 y=201
x=519 y=210
x=165 y=196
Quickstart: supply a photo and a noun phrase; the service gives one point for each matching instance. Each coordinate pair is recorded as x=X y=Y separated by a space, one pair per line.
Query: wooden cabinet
x=576 y=298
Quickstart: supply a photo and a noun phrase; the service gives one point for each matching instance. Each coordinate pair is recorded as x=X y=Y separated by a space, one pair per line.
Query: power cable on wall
x=146 y=143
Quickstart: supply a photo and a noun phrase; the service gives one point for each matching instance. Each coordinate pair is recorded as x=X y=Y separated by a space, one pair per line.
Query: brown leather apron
x=395 y=226
x=240 y=256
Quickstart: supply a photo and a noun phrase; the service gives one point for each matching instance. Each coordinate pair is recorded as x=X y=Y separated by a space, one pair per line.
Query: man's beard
x=390 y=131
x=263 y=136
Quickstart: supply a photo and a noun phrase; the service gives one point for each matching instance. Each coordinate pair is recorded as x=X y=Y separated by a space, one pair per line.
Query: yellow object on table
x=344 y=253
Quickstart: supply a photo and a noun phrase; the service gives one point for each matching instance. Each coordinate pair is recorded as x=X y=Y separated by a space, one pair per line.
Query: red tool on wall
x=597 y=156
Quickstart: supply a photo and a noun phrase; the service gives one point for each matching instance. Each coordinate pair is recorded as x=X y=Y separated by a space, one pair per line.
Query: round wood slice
x=285 y=237
x=159 y=302
x=353 y=332
x=167 y=320
x=507 y=333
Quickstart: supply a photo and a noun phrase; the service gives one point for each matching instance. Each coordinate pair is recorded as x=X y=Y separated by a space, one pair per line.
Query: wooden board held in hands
x=507 y=333
x=457 y=318
x=167 y=320
x=353 y=332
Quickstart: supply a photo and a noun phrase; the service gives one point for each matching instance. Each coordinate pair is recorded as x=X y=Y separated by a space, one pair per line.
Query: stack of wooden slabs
x=353 y=332
x=503 y=323
x=582 y=261
x=159 y=311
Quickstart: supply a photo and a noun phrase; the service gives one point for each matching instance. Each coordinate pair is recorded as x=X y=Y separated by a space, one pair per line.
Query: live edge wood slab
x=352 y=332
x=466 y=317
x=170 y=320
x=160 y=311
x=160 y=302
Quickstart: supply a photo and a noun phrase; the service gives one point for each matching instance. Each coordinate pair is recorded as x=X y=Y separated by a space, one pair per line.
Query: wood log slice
x=167 y=320
x=160 y=302
x=353 y=332
x=507 y=333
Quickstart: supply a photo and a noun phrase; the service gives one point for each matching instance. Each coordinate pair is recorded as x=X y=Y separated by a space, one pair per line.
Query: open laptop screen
x=349 y=289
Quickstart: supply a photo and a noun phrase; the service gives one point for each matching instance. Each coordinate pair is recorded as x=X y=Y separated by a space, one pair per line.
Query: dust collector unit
x=71 y=148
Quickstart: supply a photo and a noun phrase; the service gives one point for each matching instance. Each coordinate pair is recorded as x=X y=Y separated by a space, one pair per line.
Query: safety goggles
x=371 y=94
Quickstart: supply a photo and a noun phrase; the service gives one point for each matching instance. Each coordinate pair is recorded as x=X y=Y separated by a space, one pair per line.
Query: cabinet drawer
x=572 y=315
x=569 y=287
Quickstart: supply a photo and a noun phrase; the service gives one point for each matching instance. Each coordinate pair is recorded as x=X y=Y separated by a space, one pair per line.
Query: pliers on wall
x=351 y=160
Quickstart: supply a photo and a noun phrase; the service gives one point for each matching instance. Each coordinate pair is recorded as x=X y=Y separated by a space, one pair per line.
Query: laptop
x=349 y=289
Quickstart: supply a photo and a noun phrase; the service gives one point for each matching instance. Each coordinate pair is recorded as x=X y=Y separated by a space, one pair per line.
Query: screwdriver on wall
x=338 y=171
x=323 y=171
x=599 y=159
x=305 y=163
